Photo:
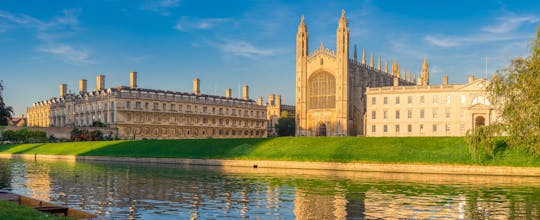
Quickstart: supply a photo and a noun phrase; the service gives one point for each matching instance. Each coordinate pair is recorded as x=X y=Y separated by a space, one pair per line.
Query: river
x=164 y=191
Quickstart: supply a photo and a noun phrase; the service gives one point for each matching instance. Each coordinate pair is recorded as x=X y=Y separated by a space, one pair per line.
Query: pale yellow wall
x=460 y=118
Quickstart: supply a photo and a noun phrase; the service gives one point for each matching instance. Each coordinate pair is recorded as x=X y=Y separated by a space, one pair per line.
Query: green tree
x=515 y=92
x=285 y=125
x=6 y=112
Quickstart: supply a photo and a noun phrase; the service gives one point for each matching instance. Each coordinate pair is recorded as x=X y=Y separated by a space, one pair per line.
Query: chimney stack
x=228 y=93
x=471 y=78
x=278 y=100
x=83 y=86
x=445 y=80
x=245 y=92
x=196 y=86
x=259 y=100
x=271 y=99
x=63 y=90
x=396 y=81
x=100 y=82
x=133 y=79
x=419 y=81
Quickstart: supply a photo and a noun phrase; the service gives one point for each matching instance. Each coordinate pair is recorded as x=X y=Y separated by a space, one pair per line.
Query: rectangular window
x=164 y=107
x=435 y=113
x=373 y=100
x=373 y=115
x=373 y=128
x=146 y=105
x=421 y=99
x=421 y=128
x=409 y=128
x=462 y=127
x=447 y=113
x=397 y=128
x=385 y=100
x=385 y=128
x=385 y=114
x=397 y=100
x=409 y=99
x=409 y=113
x=156 y=106
x=397 y=114
x=435 y=99
x=421 y=113
x=128 y=104
x=448 y=128
x=137 y=104
x=173 y=107
x=434 y=128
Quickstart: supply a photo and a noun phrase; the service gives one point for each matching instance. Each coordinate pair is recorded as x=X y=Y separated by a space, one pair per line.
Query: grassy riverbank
x=11 y=210
x=430 y=150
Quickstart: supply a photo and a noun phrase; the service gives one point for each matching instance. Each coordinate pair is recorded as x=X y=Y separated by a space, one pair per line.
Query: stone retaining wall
x=367 y=167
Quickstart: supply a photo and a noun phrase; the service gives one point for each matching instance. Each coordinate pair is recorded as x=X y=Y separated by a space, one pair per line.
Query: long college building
x=146 y=113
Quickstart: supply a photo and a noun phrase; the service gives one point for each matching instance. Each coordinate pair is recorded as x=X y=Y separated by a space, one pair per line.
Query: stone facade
x=330 y=87
x=428 y=110
x=274 y=110
x=147 y=113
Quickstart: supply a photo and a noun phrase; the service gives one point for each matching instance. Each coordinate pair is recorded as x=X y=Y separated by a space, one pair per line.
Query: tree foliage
x=6 y=112
x=285 y=125
x=515 y=92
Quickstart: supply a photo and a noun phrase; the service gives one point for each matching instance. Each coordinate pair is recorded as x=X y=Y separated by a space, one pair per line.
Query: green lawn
x=442 y=150
x=11 y=210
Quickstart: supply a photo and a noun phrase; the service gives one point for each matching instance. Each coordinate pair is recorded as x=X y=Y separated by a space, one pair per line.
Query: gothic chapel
x=330 y=87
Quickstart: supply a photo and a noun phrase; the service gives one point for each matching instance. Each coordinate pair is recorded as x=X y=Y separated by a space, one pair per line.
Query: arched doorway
x=479 y=121
x=322 y=130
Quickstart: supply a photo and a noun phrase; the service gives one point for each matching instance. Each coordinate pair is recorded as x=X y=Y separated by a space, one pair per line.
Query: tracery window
x=322 y=91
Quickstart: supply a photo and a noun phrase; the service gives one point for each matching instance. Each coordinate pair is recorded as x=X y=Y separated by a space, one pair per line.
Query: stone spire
x=379 y=64
x=343 y=19
x=425 y=72
x=386 y=66
x=363 y=56
x=355 y=56
x=322 y=46
x=404 y=73
x=302 y=26
x=371 y=60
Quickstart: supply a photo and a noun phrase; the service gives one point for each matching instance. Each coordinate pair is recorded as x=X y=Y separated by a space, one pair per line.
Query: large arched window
x=322 y=91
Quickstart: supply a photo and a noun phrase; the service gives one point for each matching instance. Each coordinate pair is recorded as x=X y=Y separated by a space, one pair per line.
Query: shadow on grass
x=184 y=148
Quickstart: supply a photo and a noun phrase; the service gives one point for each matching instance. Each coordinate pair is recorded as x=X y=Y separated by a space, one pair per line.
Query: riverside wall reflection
x=116 y=190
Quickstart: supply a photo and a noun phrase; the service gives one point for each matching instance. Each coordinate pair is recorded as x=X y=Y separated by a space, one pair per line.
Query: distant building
x=428 y=110
x=330 y=86
x=17 y=121
x=274 y=110
x=147 y=113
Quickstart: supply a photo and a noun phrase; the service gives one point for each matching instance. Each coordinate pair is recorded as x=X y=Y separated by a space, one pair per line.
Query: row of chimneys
x=100 y=84
x=228 y=91
x=444 y=80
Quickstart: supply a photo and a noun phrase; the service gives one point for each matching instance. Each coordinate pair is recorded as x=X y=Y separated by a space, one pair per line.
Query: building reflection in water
x=159 y=191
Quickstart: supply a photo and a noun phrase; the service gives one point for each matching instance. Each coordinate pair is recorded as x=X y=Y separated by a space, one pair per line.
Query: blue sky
x=231 y=43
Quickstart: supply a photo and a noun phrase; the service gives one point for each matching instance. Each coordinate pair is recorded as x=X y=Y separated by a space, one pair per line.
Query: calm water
x=150 y=191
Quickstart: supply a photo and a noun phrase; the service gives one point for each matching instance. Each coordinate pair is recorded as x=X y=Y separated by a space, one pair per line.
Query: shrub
x=24 y=136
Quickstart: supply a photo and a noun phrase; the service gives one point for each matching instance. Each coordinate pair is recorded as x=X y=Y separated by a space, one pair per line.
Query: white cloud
x=245 y=49
x=68 y=53
x=187 y=24
x=50 y=32
x=454 y=41
x=510 y=23
x=161 y=7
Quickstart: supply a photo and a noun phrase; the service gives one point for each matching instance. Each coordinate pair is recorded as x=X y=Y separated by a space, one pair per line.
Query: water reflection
x=151 y=191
